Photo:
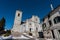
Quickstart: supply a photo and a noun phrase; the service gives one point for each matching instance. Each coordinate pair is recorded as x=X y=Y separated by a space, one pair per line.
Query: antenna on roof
x=51 y=5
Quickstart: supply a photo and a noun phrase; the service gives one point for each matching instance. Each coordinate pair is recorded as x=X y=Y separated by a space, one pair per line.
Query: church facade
x=31 y=26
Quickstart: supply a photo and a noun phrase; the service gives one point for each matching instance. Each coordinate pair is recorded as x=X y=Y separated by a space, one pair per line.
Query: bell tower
x=17 y=21
x=18 y=17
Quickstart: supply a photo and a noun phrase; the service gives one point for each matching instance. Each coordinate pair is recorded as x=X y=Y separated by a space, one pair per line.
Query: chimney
x=51 y=6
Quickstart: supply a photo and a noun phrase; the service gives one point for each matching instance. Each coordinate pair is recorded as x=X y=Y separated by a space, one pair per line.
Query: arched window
x=57 y=19
x=18 y=14
x=50 y=23
x=44 y=25
x=30 y=29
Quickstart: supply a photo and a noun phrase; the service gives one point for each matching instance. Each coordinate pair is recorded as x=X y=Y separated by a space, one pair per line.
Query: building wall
x=52 y=19
x=47 y=32
x=34 y=23
x=54 y=27
x=32 y=26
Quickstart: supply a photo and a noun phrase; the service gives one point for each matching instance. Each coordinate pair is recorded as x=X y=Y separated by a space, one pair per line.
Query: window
x=53 y=33
x=30 y=29
x=41 y=35
x=44 y=25
x=59 y=31
x=50 y=23
x=57 y=19
x=18 y=14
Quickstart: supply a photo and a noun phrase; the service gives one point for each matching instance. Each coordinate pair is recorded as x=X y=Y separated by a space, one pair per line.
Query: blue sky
x=28 y=7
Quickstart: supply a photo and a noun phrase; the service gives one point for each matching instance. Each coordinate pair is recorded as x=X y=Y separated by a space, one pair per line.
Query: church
x=31 y=26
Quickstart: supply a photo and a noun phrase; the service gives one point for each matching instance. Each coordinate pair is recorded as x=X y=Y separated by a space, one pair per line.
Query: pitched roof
x=52 y=12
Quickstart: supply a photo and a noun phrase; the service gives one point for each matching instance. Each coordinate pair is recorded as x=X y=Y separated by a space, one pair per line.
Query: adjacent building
x=51 y=24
